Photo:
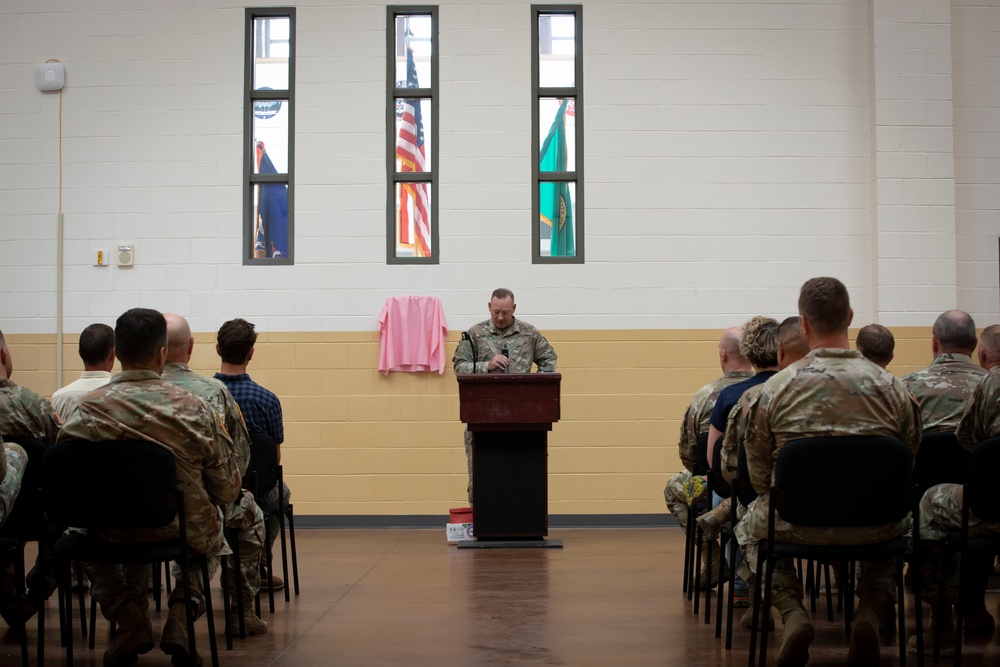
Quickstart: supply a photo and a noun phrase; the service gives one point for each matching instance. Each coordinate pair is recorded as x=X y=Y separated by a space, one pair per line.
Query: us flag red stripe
x=410 y=152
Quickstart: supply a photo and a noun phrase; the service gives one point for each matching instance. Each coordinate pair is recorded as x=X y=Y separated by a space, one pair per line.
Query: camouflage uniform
x=829 y=392
x=941 y=506
x=942 y=390
x=13 y=461
x=140 y=405
x=695 y=421
x=243 y=517
x=525 y=346
x=27 y=414
x=736 y=431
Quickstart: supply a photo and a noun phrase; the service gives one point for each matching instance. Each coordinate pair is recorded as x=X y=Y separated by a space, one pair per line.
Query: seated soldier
x=24 y=414
x=941 y=512
x=139 y=404
x=681 y=487
x=244 y=517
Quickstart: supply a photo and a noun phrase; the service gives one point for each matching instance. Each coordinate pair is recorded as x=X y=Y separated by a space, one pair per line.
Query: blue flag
x=271 y=234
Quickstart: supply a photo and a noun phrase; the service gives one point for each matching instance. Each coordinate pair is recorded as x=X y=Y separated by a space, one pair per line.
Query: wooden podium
x=510 y=416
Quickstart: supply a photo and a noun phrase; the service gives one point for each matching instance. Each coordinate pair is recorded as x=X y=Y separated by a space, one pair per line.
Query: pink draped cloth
x=412 y=335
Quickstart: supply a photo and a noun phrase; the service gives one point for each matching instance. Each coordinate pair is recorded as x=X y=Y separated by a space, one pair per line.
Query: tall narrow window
x=411 y=142
x=557 y=134
x=269 y=136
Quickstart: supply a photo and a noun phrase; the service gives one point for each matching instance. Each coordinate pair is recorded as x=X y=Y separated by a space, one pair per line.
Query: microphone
x=505 y=353
x=475 y=352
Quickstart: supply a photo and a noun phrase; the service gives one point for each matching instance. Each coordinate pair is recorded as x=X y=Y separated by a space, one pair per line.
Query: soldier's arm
x=759 y=444
x=545 y=355
x=735 y=428
x=687 y=442
x=464 y=361
x=221 y=476
x=970 y=427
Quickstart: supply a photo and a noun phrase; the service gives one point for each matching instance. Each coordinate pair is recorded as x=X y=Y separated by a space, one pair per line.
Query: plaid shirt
x=260 y=407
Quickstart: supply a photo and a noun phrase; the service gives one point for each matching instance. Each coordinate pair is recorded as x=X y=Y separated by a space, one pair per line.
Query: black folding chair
x=119 y=485
x=979 y=499
x=846 y=481
x=263 y=475
x=940 y=460
x=27 y=523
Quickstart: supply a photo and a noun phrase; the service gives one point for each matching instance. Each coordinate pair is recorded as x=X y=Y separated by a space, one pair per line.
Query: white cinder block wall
x=733 y=149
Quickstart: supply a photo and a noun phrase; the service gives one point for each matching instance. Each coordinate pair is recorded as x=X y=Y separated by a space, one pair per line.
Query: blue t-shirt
x=730 y=396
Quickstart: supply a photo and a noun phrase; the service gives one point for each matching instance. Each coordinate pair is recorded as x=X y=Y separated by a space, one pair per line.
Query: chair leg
x=82 y=602
x=284 y=550
x=696 y=564
x=757 y=606
x=209 y=613
x=237 y=565
x=718 y=598
x=227 y=622
x=16 y=554
x=93 y=621
x=829 y=593
x=157 y=583
x=688 y=548
x=708 y=583
x=901 y=613
x=268 y=564
x=769 y=565
x=290 y=513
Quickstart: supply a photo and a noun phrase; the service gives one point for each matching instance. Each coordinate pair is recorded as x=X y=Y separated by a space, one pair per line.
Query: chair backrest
x=26 y=516
x=745 y=491
x=123 y=484
x=263 y=464
x=843 y=481
x=940 y=460
x=719 y=484
x=983 y=471
x=701 y=455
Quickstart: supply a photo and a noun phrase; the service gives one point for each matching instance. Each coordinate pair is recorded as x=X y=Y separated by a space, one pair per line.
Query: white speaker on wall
x=126 y=254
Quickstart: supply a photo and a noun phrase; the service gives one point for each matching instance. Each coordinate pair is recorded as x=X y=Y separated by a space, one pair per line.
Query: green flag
x=554 y=205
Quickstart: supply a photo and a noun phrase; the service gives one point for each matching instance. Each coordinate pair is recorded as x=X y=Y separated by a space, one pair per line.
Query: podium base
x=503 y=543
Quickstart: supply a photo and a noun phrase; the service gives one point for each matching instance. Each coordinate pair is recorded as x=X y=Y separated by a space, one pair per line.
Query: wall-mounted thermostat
x=126 y=254
x=50 y=76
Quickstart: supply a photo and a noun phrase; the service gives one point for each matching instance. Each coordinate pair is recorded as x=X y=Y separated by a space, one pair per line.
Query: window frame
x=251 y=179
x=538 y=93
x=393 y=178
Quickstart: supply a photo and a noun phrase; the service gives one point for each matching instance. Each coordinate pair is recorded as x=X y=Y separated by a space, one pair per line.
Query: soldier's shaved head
x=989 y=347
x=180 y=343
x=730 y=357
x=954 y=332
x=791 y=345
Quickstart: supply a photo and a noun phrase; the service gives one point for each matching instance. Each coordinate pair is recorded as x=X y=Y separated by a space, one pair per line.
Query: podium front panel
x=510 y=489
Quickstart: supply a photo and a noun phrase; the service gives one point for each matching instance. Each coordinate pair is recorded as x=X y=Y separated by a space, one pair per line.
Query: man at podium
x=501 y=344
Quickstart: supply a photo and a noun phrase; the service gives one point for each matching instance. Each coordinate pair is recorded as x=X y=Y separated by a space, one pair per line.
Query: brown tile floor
x=395 y=597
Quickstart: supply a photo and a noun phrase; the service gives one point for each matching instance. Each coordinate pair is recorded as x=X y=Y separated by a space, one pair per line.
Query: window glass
x=557 y=138
x=271 y=46
x=556 y=50
x=413 y=219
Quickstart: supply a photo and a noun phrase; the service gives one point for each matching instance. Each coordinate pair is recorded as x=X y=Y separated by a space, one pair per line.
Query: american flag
x=414 y=202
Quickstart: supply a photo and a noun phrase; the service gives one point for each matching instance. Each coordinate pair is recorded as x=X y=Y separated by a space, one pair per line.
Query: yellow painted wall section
x=359 y=443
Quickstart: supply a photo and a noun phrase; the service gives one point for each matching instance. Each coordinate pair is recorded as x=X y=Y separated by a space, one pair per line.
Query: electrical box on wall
x=50 y=76
x=126 y=254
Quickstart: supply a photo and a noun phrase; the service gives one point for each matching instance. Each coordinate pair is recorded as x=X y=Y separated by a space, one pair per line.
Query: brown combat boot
x=174 y=641
x=710 y=569
x=947 y=622
x=134 y=636
x=799 y=631
x=252 y=623
x=864 y=651
x=711 y=522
